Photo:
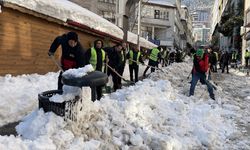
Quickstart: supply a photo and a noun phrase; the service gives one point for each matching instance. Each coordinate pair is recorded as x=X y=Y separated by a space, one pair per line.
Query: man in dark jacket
x=72 y=53
x=212 y=60
x=116 y=61
x=96 y=57
x=225 y=61
x=134 y=57
x=199 y=71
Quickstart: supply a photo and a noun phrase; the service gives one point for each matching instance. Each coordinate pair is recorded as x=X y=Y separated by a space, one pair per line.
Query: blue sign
x=156 y=42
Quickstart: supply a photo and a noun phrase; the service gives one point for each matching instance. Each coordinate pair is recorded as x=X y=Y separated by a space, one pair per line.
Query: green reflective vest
x=247 y=55
x=217 y=56
x=131 y=55
x=93 y=58
x=123 y=56
x=154 y=54
x=234 y=56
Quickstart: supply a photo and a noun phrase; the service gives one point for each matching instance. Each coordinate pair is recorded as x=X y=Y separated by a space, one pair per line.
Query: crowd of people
x=112 y=60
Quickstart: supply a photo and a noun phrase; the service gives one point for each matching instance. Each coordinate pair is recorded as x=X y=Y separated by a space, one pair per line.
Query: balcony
x=165 y=42
x=153 y=21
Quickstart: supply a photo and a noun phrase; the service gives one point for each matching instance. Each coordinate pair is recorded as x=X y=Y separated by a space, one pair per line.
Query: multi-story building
x=187 y=24
x=161 y=23
x=227 y=19
x=246 y=30
x=105 y=8
x=201 y=26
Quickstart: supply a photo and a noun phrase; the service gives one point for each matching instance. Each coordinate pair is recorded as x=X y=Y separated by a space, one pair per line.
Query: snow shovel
x=189 y=75
x=57 y=64
x=107 y=87
x=128 y=81
x=211 y=83
x=147 y=65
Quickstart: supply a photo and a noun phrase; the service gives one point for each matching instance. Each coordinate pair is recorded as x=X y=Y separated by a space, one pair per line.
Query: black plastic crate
x=65 y=109
x=48 y=106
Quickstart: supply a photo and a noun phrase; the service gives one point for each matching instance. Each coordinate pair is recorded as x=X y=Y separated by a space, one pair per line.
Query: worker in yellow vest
x=234 y=59
x=134 y=57
x=96 y=57
x=154 y=55
x=247 y=56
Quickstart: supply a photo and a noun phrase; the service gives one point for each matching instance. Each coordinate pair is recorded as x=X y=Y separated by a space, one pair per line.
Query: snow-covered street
x=156 y=113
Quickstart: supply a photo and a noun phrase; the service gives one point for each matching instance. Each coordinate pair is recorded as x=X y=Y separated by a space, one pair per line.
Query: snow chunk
x=78 y=73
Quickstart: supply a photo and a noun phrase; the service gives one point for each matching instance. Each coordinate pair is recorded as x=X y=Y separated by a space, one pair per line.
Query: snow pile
x=19 y=95
x=70 y=92
x=78 y=73
x=158 y=117
x=64 y=10
x=133 y=38
x=163 y=2
x=153 y=114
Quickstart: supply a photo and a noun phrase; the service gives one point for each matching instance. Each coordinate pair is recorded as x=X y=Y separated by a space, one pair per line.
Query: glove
x=50 y=53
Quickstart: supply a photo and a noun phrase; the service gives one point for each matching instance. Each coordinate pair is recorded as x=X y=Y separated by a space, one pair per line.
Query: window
x=166 y=16
x=157 y=14
x=108 y=1
x=161 y=15
x=110 y=16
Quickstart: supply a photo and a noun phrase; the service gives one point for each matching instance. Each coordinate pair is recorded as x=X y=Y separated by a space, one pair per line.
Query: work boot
x=212 y=97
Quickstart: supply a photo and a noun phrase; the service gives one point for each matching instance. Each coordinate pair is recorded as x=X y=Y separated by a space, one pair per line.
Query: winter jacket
x=225 y=58
x=201 y=64
x=116 y=59
x=212 y=58
x=72 y=57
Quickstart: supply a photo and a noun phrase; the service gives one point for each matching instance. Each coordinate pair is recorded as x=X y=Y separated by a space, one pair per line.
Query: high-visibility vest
x=154 y=54
x=131 y=55
x=247 y=55
x=234 y=56
x=123 y=56
x=93 y=58
x=217 y=56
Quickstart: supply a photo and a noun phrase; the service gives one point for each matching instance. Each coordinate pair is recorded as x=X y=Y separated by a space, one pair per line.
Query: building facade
x=201 y=26
x=245 y=32
x=227 y=22
x=161 y=23
x=105 y=8
x=187 y=24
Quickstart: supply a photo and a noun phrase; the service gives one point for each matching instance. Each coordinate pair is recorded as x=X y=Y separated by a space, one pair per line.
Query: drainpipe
x=139 y=25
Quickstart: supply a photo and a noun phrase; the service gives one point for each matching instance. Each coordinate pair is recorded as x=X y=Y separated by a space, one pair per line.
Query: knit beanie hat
x=199 y=53
x=72 y=36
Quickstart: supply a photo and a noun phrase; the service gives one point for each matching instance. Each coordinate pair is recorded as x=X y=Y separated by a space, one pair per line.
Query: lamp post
x=139 y=24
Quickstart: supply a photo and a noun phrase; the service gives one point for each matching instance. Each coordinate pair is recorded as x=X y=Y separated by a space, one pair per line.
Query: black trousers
x=134 y=68
x=99 y=92
x=59 y=83
x=151 y=63
x=224 y=66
